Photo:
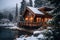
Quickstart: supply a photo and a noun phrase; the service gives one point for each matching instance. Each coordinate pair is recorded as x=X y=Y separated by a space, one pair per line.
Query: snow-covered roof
x=35 y=10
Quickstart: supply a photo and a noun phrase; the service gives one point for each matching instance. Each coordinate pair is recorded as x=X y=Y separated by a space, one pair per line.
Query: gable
x=28 y=13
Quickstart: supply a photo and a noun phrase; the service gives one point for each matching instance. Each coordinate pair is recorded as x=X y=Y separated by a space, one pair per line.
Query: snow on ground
x=20 y=38
x=31 y=38
x=42 y=31
x=7 y=24
x=12 y=26
x=27 y=38
x=39 y=36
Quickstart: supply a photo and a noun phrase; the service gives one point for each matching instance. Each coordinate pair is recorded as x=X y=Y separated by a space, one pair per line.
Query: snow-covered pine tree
x=23 y=6
x=38 y=3
x=41 y=3
x=30 y=3
x=16 y=13
x=22 y=9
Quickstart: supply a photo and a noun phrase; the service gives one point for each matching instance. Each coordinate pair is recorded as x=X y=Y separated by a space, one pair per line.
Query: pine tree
x=41 y=3
x=16 y=10
x=23 y=6
x=30 y=3
x=10 y=17
x=38 y=3
x=22 y=9
x=16 y=15
x=56 y=4
x=1 y=15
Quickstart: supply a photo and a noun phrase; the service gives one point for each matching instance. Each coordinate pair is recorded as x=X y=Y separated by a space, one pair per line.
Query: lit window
x=31 y=19
x=26 y=18
x=46 y=19
x=38 y=19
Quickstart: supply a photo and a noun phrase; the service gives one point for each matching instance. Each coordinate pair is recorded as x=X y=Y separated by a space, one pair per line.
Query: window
x=26 y=18
x=38 y=19
x=46 y=19
x=31 y=19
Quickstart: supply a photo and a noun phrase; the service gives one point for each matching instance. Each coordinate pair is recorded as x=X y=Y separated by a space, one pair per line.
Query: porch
x=30 y=25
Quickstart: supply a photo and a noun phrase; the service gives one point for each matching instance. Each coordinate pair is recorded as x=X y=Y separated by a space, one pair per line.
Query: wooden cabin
x=35 y=17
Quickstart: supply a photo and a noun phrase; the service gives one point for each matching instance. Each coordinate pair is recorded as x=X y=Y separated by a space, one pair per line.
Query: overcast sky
x=9 y=3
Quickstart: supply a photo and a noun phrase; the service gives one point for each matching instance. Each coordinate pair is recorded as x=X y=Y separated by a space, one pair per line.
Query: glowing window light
x=31 y=18
x=38 y=19
x=46 y=19
x=26 y=18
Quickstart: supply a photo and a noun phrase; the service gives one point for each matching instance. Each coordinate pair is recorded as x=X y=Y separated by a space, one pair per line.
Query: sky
x=9 y=3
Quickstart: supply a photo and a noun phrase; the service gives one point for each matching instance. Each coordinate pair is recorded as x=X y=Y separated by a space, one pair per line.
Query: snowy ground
x=37 y=35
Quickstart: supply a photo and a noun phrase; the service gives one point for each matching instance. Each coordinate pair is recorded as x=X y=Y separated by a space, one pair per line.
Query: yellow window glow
x=26 y=18
x=31 y=18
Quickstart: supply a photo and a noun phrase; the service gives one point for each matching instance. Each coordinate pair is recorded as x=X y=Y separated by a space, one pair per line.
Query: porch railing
x=31 y=23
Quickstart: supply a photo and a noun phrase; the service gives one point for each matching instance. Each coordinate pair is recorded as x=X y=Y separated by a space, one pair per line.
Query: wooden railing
x=31 y=23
